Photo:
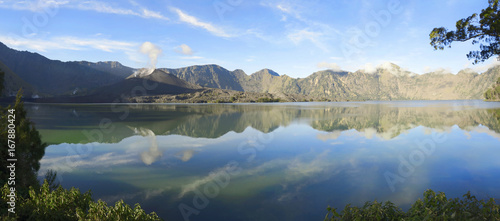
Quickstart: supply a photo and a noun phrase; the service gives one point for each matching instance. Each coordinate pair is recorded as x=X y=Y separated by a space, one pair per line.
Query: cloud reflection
x=153 y=153
x=185 y=155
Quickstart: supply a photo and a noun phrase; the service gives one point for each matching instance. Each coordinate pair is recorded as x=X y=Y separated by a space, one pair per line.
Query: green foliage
x=483 y=28
x=29 y=148
x=121 y=211
x=50 y=177
x=2 y=76
x=370 y=211
x=221 y=101
x=432 y=207
x=267 y=100
x=61 y=204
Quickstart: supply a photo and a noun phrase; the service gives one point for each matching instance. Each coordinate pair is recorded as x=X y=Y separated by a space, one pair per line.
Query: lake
x=280 y=161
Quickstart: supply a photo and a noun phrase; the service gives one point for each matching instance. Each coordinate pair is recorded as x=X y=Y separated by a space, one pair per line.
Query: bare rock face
x=386 y=82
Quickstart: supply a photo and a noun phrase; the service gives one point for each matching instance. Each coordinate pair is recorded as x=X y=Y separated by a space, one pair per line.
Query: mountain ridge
x=385 y=82
x=14 y=83
x=54 y=77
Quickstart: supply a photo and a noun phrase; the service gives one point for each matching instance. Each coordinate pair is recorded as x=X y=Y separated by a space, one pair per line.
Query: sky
x=292 y=37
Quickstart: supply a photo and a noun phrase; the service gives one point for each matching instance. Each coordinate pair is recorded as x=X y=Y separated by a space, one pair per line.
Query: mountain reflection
x=84 y=123
x=288 y=156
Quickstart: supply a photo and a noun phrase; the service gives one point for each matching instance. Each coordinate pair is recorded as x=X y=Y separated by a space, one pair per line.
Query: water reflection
x=213 y=121
x=295 y=159
x=153 y=153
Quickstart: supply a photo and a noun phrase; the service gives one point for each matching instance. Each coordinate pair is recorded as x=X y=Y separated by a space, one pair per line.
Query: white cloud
x=369 y=68
x=484 y=66
x=184 y=49
x=428 y=69
x=103 y=8
x=67 y=43
x=152 y=14
x=386 y=65
x=298 y=36
x=34 y=6
x=100 y=44
x=331 y=66
x=389 y=66
x=184 y=17
x=287 y=8
x=98 y=6
x=284 y=8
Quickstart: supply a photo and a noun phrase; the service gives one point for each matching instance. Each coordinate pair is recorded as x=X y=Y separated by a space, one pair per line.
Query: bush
x=62 y=204
x=267 y=100
x=432 y=207
x=221 y=101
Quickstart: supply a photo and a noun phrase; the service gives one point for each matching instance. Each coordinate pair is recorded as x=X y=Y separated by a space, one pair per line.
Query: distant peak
x=389 y=66
x=108 y=62
x=441 y=71
x=112 y=64
x=203 y=66
x=386 y=68
x=239 y=71
x=210 y=65
x=267 y=71
x=467 y=71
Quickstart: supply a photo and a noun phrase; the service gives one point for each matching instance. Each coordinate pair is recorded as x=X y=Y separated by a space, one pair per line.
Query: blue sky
x=292 y=37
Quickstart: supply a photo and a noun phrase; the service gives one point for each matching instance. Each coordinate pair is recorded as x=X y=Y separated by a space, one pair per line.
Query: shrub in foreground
x=62 y=204
x=432 y=207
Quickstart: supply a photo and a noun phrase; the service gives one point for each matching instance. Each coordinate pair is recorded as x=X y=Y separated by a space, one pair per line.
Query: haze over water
x=284 y=161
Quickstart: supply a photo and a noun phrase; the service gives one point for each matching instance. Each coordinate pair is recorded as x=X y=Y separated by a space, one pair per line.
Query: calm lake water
x=285 y=161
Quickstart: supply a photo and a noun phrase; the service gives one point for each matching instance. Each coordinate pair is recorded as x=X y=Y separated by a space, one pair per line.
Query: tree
x=2 y=75
x=483 y=29
x=29 y=148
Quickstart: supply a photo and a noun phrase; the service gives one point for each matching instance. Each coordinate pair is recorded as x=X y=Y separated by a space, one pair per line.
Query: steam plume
x=153 y=52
